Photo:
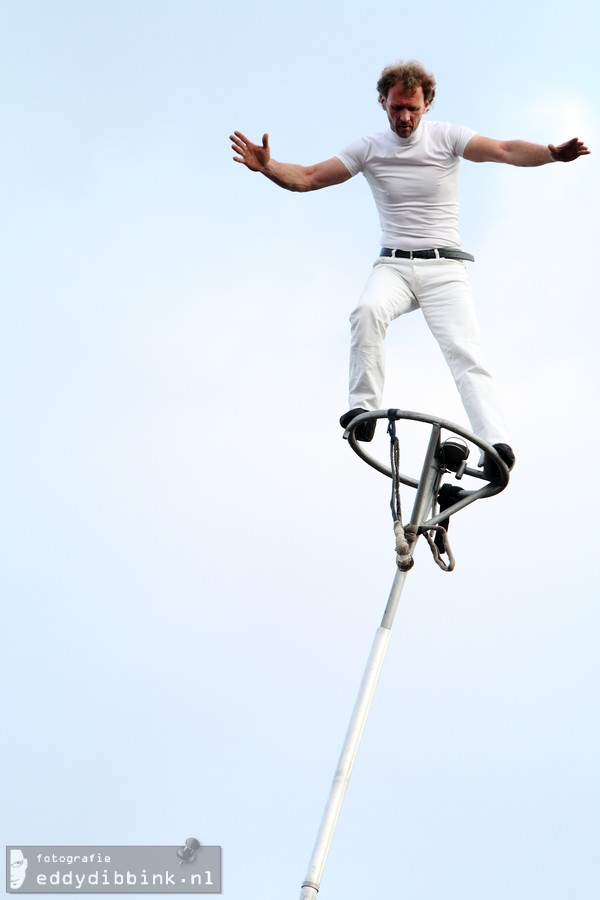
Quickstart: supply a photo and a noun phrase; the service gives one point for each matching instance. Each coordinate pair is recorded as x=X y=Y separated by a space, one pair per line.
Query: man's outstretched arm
x=257 y=157
x=522 y=153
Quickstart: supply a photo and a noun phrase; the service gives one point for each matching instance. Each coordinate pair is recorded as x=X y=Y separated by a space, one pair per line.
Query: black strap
x=445 y=253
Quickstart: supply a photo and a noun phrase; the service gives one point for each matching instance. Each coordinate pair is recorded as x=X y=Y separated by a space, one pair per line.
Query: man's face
x=404 y=109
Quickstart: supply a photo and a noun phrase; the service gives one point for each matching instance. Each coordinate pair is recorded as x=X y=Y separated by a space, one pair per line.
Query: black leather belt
x=426 y=254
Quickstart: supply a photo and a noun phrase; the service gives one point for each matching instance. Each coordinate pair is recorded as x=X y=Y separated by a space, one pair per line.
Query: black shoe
x=447 y=496
x=453 y=453
x=366 y=430
x=490 y=469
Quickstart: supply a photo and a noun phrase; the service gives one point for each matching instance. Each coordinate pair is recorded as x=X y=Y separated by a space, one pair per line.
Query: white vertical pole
x=341 y=778
x=423 y=503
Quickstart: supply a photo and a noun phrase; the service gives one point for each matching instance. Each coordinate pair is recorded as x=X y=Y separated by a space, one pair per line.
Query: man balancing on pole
x=412 y=170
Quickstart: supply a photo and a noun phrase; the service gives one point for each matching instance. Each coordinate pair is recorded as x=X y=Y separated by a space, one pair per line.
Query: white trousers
x=441 y=289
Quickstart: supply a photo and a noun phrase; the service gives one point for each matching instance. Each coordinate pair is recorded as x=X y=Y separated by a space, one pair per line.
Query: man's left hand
x=568 y=151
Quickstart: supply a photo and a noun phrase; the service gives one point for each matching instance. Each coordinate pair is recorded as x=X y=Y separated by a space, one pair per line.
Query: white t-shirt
x=414 y=182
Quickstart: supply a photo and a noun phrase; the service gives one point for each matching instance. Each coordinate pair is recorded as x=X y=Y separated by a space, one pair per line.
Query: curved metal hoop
x=489 y=489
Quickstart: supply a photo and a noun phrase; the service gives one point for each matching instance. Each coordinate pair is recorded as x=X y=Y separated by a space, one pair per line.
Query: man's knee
x=369 y=319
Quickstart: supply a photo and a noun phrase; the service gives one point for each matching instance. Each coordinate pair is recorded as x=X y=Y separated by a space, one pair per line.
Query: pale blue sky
x=194 y=562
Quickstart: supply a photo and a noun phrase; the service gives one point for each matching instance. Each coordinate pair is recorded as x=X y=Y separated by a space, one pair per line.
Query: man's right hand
x=255 y=156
